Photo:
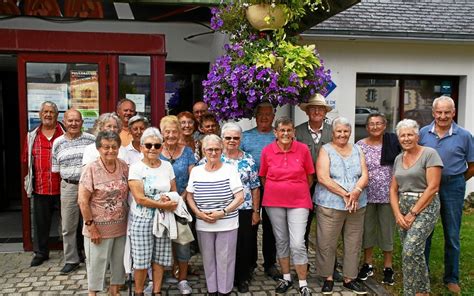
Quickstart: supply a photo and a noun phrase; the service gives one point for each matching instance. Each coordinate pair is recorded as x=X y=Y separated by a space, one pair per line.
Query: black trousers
x=43 y=209
x=246 y=244
x=268 y=239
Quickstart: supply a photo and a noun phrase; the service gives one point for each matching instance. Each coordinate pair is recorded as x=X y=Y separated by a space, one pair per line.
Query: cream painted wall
x=197 y=49
x=346 y=58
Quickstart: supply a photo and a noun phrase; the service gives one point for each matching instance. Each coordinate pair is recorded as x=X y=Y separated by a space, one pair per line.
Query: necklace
x=105 y=167
x=172 y=160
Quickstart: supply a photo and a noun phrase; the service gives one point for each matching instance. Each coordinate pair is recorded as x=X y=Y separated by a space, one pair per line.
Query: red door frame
x=62 y=46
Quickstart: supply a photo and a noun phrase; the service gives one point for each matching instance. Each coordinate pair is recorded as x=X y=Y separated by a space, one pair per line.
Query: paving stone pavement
x=18 y=278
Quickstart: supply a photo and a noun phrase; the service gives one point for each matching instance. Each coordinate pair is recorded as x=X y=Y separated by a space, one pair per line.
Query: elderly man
x=253 y=142
x=456 y=147
x=41 y=184
x=199 y=108
x=126 y=109
x=315 y=133
x=67 y=161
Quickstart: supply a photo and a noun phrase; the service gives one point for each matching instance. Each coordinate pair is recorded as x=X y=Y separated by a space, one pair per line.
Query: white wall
x=197 y=49
x=346 y=58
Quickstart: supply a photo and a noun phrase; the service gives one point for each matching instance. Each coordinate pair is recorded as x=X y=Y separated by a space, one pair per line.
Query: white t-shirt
x=91 y=154
x=213 y=191
x=155 y=182
x=132 y=155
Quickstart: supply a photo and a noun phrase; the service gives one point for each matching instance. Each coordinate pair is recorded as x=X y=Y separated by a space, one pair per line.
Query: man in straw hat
x=315 y=133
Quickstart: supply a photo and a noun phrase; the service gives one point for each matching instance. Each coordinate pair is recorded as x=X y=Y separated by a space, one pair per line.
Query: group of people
x=131 y=185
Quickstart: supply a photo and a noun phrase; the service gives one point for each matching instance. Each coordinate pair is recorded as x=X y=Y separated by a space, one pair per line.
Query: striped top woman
x=214 y=194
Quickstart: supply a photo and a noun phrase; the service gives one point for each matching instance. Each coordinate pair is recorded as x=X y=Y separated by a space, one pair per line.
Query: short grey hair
x=109 y=136
x=121 y=101
x=443 y=99
x=263 y=104
x=231 y=126
x=151 y=132
x=137 y=118
x=284 y=120
x=341 y=121
x=407 y=123
x=103 y=118
x=50 y=104
x=212 y=138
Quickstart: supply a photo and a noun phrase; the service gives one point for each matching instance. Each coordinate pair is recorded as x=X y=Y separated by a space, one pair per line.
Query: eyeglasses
x=149 y=145
x=212 y=150
x=231 y=138
x=372 y=124
x=106 y=148
x=283 y=131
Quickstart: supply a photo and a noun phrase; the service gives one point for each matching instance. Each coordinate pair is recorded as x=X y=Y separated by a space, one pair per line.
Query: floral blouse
x=379 y=175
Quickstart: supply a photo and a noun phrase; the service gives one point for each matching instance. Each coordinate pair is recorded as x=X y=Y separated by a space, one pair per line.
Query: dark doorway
x=10 y=175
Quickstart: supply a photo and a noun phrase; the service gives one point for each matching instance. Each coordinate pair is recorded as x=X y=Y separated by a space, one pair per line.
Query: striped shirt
x=67 y=155
x=213 y=191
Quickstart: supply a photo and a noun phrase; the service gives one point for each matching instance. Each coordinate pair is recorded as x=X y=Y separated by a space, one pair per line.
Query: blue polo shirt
x=253 y=142
x=456 y=148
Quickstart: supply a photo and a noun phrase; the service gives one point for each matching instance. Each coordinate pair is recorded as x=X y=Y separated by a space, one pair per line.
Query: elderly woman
x=341 y=199
x=249 y=212
x=415 y=204
x=136 y=125
x=149 y=179
x=286 y=170
x=105 y=122
x=182 y=159
x=380 y=149
x=187 y=123
x=103 y=191
x=214 y=194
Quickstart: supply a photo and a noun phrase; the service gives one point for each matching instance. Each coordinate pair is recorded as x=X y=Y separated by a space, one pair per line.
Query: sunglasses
x=149 y=145
x=231 y=138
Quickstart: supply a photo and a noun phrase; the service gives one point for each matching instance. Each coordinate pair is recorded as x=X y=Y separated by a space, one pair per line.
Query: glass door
x=70 y=81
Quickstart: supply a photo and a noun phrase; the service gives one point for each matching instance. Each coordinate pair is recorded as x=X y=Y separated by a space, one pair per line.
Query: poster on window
x=40 y=92
x=89 y=117
x=139 y=100
x=84 y=89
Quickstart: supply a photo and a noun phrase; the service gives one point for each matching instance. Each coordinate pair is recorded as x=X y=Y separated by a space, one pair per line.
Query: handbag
x=185 y=235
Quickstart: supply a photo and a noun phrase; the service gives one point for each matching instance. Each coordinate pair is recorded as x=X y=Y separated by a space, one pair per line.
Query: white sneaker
x=184 y=287
x=149 y=288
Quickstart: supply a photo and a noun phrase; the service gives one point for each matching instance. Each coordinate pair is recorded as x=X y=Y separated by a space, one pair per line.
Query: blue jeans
x=451 y=193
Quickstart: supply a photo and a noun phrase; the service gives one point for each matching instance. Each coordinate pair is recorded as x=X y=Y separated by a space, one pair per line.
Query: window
x=399 y=97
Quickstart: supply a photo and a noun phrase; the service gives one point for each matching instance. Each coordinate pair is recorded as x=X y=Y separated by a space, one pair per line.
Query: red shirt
x=286 y=176
x=45 y=181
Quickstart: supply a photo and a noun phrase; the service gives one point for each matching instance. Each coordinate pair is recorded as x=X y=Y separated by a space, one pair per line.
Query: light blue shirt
x=345 y=171
x=254 y=141
x=456 y=148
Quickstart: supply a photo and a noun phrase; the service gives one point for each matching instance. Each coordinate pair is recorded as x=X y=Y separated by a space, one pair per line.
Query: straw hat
x=315 y=100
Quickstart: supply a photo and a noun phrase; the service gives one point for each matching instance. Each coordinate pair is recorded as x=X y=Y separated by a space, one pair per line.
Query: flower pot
x=264 y=17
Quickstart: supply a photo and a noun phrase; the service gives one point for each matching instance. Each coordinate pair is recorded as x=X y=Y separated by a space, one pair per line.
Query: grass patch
x=436 y=260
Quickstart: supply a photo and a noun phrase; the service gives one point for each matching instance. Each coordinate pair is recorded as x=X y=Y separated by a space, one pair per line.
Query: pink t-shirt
x=108 y=202
x=286 y=173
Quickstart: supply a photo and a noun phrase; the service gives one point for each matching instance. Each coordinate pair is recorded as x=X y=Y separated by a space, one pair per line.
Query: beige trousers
x=330 y=224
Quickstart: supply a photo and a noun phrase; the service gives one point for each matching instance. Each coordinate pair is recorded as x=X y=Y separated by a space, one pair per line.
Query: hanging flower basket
x=266 y=17
x=258 y=66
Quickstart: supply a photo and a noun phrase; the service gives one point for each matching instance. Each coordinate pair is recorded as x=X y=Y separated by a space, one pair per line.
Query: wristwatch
x=89 y=222
x=225 y=212
x=413 y=213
